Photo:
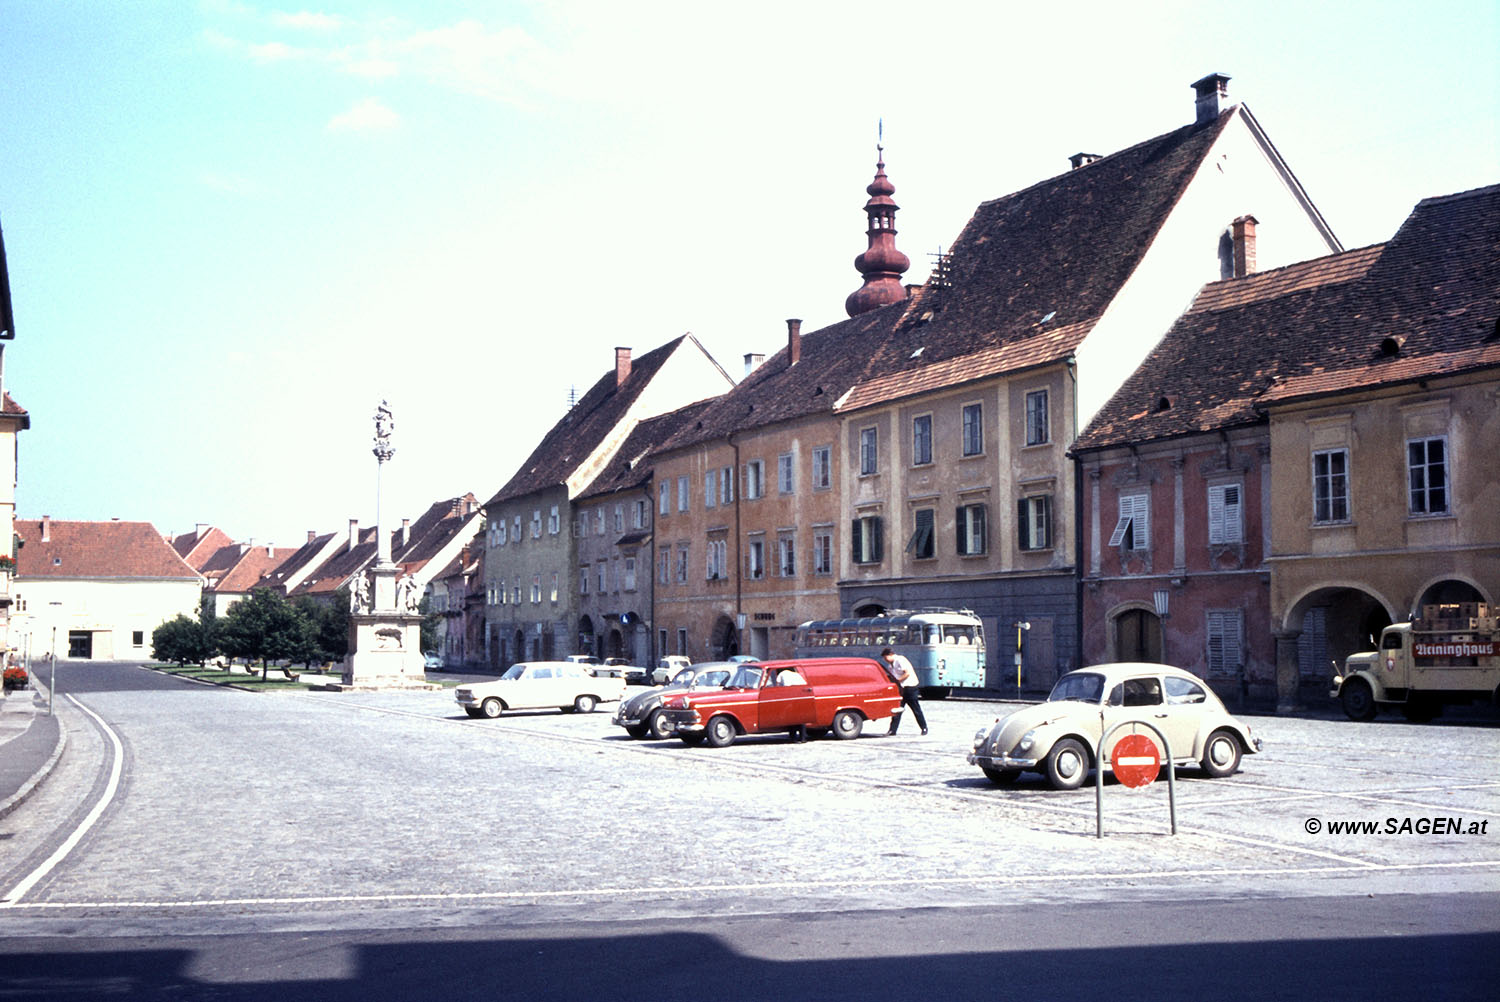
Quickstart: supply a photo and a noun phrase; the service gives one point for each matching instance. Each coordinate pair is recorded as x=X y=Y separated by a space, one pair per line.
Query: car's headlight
x=1027 y=741
x=979 y=737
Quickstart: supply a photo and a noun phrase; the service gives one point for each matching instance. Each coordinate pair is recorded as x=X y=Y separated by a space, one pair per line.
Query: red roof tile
x=1320 y=328
x=55 y=549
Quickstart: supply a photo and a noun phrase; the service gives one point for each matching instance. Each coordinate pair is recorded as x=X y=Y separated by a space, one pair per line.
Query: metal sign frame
x=1099 y=774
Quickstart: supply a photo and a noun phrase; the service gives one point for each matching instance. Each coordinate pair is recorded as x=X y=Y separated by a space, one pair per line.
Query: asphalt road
x=238 y=845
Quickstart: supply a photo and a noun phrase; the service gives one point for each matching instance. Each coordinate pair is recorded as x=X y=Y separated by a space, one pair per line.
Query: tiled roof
x=588 y=423
x=96 y=550
x=1041 y=349
x=197 y=549
x=304 y=555
x=831 y=360
x=631 y=467
x=1028 y=277
x=1051 y=257
x=1318 y=327
x=340 y=566
x=251 y=568
x=434 y=529
x=9 y=407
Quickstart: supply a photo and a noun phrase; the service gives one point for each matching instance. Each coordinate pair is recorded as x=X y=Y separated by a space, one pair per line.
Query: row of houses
x=1150 y=407
x=97 y=590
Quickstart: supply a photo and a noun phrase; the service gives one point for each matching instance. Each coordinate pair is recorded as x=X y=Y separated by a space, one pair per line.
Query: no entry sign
x=1135 y=759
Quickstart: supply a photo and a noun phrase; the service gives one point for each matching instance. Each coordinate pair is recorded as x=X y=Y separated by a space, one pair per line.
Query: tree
x=184 y=641
x=180 y=641
x=432 y=626
x=263 y=627
x=327 y=635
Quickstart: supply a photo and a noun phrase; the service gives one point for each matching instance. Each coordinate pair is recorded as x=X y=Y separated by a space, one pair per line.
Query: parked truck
x=1450 y=654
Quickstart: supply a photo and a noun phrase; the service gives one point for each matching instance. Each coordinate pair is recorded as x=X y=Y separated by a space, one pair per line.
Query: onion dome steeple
x=881 y=263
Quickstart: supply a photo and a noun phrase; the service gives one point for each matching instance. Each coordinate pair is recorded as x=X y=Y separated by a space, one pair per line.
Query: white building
x=96 y=590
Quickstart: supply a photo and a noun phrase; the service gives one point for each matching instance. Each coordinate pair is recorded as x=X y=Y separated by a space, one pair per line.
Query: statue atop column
x=384 y=623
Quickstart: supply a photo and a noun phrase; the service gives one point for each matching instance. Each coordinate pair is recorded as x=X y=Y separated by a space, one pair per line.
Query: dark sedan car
x=641 y=714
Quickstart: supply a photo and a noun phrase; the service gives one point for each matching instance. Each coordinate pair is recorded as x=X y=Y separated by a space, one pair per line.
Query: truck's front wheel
x=1357 y=699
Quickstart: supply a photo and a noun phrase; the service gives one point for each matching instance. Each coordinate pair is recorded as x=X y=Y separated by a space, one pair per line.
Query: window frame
x=1444 y=490
x=1134 y=522
x=971 y=521
x=1226 y=519
x=921 y=440
x=867 y=542
x=1027 y=509
x=869 y=451
x=1324 y=498
x=972 y=417
x=754 y=486
x=822 y=468
x=1038 y=418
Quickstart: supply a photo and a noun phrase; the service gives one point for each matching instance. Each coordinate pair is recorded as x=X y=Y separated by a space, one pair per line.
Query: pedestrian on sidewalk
x=906 y=677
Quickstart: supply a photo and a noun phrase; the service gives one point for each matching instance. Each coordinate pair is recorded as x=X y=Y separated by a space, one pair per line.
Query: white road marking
x=13 y=899
x=697 y=890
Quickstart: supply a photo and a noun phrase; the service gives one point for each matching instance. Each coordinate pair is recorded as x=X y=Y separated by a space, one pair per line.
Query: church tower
x=881 y=264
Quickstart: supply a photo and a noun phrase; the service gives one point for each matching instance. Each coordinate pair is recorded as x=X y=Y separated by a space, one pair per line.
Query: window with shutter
x=971 y=530
x=1133 y=529
x=1225 y=521
x=920 y=545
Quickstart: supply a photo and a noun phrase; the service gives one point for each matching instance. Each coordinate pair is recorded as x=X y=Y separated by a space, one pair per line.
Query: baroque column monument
x=385 y=628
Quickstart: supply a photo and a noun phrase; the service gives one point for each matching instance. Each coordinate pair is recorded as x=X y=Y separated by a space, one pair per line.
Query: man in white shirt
x=906 y=677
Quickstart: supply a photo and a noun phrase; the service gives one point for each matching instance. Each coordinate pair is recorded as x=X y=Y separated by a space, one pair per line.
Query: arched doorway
x=1135 y=635
x=726 y=639
x=587 y=643
x=1328 y=625
x=614 y=643
x=868 y=610
x=1449 y=592
x=518 y=652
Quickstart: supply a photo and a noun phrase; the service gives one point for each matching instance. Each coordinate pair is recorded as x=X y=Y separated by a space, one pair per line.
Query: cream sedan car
x=535 y=685
x=1060 y=738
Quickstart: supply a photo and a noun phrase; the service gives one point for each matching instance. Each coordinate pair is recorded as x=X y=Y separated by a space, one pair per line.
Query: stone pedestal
x=385 y=638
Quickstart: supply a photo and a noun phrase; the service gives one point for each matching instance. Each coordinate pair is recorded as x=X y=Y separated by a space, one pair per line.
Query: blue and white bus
x=945 y=646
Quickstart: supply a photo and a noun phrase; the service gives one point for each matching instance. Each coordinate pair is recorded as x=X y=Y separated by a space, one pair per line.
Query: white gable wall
x=1240 y=176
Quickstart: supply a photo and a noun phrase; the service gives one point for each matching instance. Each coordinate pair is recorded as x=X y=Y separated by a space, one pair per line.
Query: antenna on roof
x=572 y=396
x=942 y=269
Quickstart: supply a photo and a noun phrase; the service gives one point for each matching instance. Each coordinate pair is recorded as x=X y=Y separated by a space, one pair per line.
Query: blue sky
x=234 y=228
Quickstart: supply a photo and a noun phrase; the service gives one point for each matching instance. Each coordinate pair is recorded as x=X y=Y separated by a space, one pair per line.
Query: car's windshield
x=684 y=677
x=1086 y=687
x=745 y=678
x=516 y=671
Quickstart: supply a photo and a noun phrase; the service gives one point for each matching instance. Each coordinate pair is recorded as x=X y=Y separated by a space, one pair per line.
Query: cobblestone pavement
x=285 y=810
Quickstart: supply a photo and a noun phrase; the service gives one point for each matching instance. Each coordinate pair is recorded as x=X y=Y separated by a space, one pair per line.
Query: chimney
x=405 y=532
x=752 y=361
x=1243 y=230
x=353 y=534
x=1211 y=91
x=622 y=366
x=46 y=528
x=1082 y=159
x=312 y=534
x=793 y=342
x=270 y=550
